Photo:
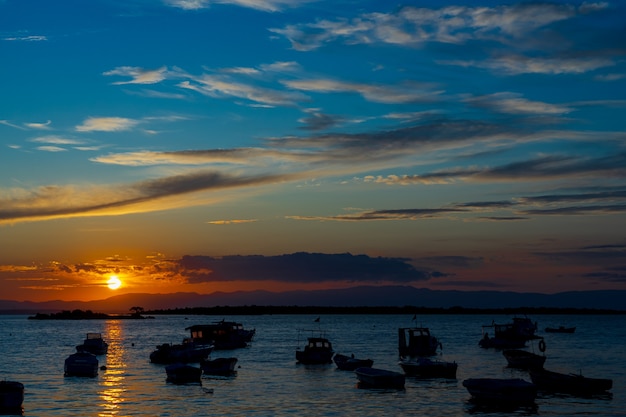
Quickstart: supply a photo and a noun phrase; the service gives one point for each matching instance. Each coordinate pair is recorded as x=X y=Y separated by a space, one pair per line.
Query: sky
x=235 y=145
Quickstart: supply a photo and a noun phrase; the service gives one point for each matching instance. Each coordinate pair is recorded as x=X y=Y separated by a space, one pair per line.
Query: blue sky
x=476 y=145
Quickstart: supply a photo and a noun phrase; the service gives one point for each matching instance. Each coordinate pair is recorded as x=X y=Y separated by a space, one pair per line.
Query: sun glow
x=114 y=282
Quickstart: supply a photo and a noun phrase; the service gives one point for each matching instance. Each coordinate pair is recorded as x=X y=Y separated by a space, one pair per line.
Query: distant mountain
x=349 y=297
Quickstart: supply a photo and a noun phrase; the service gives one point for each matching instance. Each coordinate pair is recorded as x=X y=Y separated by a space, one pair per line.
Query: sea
x=269 y=382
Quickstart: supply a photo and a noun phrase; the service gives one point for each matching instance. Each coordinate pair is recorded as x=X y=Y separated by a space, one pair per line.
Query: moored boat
x=94 y=344
x=428 y=368
x=11 y=397
x=318 y=350
x=379 y=378
x=187 y=352
x=522 y=359
x=417 y=341
x=180 y=373
x=350 y=363
x=83 y=364
x=223 y=335
x=511 y=335
x=576 y=384
x=219 y=366
x=560 y=329
x=501 y=390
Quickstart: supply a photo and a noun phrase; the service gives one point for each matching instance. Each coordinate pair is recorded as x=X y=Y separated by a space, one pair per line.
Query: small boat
x=219 y=366
x=11 y=397
x=94 y=344
x=82 y=364
x=522 y=359
x=187 y=352
x=379 y=378
x=576 y=384
x=417 y=341
x=350 y=363
x=560 y=329
x=180 y=373
x=428 y=368
x=318 y=350
x=511 y=335
x=496 y=390
x=223 y=335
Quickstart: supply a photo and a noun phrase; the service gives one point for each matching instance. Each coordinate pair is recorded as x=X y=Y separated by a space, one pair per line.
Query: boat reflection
x=112 y=376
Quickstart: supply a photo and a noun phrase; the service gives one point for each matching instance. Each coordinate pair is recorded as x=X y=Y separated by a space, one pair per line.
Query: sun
x=114 y=282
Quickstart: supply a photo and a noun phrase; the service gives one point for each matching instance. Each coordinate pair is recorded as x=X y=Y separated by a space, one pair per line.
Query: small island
x=90 y=315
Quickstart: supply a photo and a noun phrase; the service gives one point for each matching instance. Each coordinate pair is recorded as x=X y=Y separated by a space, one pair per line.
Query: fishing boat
x=219 y=366
x=83 y=364
x=417 y=341
x=560 y=329
x=318 y=350
x=428 y=368
x=187 y=352
x=513 y=335
x=223 y=335
x=350 y=363
x=94 y=344
x=497 y=390
x=379 y=378
x=180 y=373
x=11 y=397
x=576 y=384
x=522 y=359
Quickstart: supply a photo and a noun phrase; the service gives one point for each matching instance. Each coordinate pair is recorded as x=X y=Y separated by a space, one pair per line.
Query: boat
x=379 y=378
x=417 y=341
x=94 y=344
x=82 y=364
x=219 y=366
x=497 y=390
x=180 y=373
x=428 y=368
x=560 y=329
x=223 y=335
x=318 y=350
x=350 y=363
x=11 y=397
x=576 y=384
x=187 y=352
x=511 y=335
x=522 y=359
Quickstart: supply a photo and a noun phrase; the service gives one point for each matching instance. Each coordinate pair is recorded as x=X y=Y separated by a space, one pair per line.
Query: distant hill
x=349 y=297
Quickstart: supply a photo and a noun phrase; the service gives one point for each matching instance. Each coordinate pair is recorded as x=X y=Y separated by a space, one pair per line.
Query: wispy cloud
x=138 y=75
x=26 y=38
x=263 y=5
x=232 y=221
x=107 y=124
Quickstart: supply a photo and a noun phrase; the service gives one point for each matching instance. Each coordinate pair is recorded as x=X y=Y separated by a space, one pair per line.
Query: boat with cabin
x=94 y=344
x=417 y=341
x=223 y=335
x=186 y=352
x=512 y=335
x=318 y=350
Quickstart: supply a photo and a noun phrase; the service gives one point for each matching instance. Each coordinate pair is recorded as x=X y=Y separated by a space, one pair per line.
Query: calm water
x=268 y=381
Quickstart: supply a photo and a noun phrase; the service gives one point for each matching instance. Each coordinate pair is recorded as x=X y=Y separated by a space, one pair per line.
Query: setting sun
x=114 y=282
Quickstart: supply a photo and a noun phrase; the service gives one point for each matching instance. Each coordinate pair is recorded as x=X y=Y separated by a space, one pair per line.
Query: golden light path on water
x=112 y=394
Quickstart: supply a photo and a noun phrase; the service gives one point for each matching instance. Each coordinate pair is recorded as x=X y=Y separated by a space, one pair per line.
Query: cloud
x=299 y=267
x=232 y=221
x=262 y=5
x=317 y=120
x=107 y=124
x=518 y=64
x=56 y=140
x=139 y=75
x=26 y=38
x=39 y=126
x=68 y=201
x=512 y=103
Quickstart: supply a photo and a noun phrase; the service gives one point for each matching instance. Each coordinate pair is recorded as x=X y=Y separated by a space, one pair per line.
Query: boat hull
x=521 y=359
x=501 y=391
x=82 y=364
x=347 y=363
x=569 y=383
x=219 y=366
x=11 y=397
x=379 y=378
x=183 y=374
x=428 y=368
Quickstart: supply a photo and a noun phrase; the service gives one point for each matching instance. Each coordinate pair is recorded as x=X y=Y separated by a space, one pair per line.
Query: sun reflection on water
x=112 y=378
